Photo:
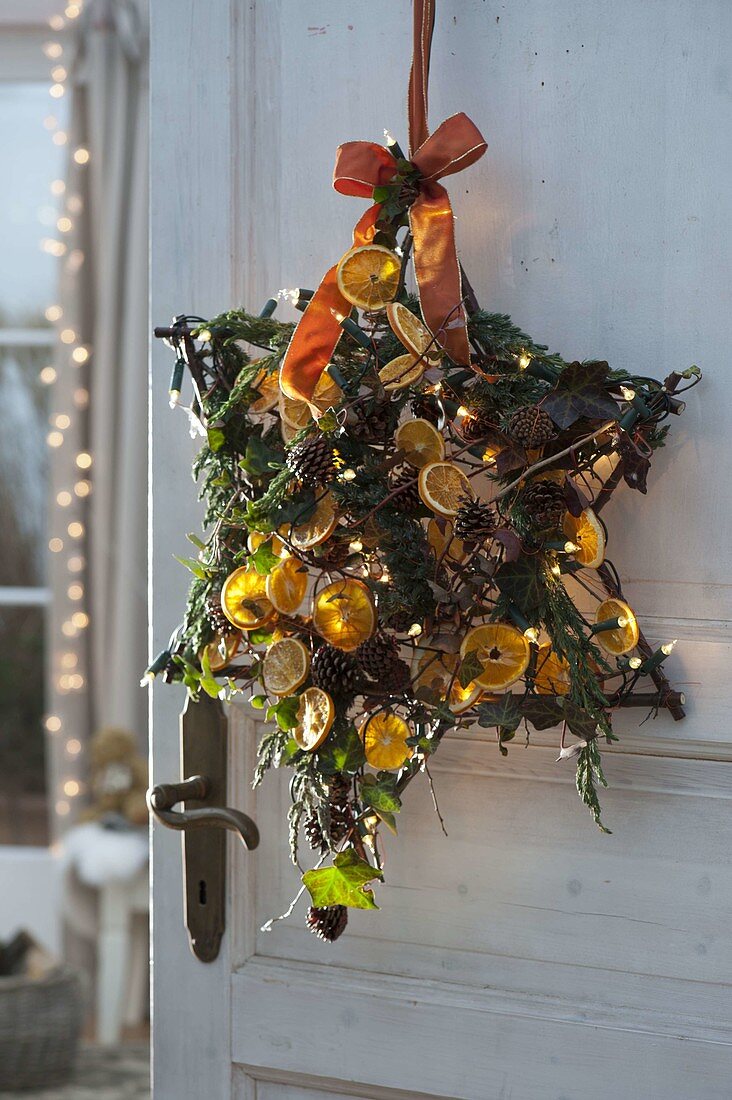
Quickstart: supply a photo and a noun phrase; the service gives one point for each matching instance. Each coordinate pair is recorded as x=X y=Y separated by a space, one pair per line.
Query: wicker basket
x=40 y=1023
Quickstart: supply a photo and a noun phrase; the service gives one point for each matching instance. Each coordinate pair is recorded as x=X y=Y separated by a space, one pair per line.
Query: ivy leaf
x=580 y=721
x=575 y=499
x=258 y=701
x=579 y=392
x=522 y=583
x=209 y=684
x=635 y=464
x=295 y=509
x=343 y=883
x=510 y=457
x=342 y=752
x=469 y=668
x=259 y=458
x=263 y=559
x=259 y=637
x=285 y=712
x=505 y=712
x=216 y=438
x=542 y=711
x=380 y=793
x=510 y=542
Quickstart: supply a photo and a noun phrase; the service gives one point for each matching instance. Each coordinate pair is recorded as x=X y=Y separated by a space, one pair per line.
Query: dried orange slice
x=622 y=638
x=256 y=538
x=586 y=532
x=344 y=613
x=327 y=393
x=222 y=650
x=401 y=372
x=421 y=442
x=286 y=585
x=315 y=716
x=267 y=385
x=442 y=541
x=296 y=414
x=317 y=528
x=368 y=277
x=438 y=672
x=285 y=667
x=415 y=335
x=503 y=652
x=442 y=485
x=244 y=599
x=552 y=672
x=385 y=741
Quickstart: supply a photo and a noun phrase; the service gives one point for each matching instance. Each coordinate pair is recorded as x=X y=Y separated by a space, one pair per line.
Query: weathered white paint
x=527 y=956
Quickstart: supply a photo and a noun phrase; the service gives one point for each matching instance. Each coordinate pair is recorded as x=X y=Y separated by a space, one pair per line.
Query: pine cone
x=374 y=423
x=340 y=809
x=379 y=658
x=477 y=426
x=474 y=520
x=329 y=923
x=335 y=671
x=404 y=481
x=314 y=834
x=312 y=461
x=215 y=615
x=545 y=504
x=531 y=426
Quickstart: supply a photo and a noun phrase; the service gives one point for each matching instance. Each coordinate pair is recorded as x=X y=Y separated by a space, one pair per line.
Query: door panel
x=527 y=955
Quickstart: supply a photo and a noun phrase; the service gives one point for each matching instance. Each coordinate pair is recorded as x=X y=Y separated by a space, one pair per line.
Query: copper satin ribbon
x=360 y=167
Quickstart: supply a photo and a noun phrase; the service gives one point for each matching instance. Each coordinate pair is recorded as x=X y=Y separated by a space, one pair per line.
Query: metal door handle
x=162 y=798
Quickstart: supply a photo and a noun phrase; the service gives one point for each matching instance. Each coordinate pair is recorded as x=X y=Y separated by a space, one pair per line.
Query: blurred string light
x=69 y=676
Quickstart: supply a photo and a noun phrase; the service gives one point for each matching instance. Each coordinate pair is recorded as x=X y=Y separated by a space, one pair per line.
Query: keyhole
x=202 y=899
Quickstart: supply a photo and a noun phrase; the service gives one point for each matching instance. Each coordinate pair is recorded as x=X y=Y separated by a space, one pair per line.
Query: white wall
x=30 y=894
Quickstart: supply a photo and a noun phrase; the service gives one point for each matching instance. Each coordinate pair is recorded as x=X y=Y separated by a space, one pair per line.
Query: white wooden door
x=527 y=956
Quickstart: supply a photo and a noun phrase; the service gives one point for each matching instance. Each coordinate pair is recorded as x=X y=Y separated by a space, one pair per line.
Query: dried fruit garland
x=403 y=544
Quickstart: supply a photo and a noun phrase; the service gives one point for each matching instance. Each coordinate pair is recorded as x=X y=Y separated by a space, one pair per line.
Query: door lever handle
x=162 y=798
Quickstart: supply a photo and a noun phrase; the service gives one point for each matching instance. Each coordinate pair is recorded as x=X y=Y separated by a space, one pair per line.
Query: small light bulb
x=204 y=334
x=80 y=619
x=415 y=630
x=67 y=336
x=634 y=662
x=71 y=788
x=571 y=547
x=147 y=678
x=385 y=577
x=356 y=546
x=64 y=225
x=75 y=529
x=55 y=545
x=556 y=569
x=348 y=474
x=531 y=634
x=63 y=499
x=80 y=355
x=289 y=294
x=628 y=394
x=58 y=72
x=48 y=376
x=463 y=411
x=56 y=22
x=53 y=723
x=73 y=747
x=390 y=139
x=53 y=313
x=524 y=360
x=62 y=808
x=72 y=11
x=668 y=647
x=53 y=50
x=81 y=155
x=54 y=439
x=56 y=91
x=60 y=137
x=84 y=460
x=622 y=622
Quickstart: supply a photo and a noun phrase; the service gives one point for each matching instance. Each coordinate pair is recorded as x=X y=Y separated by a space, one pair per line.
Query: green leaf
x=259 y=637
x=285 y=712
x=579 y=393
x=197 y=568
x=581 y=722
x=505 y=712
x=196 y=541
x=342 y=752
x=381 y=793
x=543 y=711
x=264 y=559
x=210 y=685
x=259 y=458
x=589 y=771
x=216 y=438
x=388 y=819
x=258 y=701
x=382 y=194
x=469 y=668
x=343 y=883
x=522 y=582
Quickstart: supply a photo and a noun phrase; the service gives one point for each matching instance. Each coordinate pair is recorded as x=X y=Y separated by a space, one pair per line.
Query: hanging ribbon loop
x=362 y=166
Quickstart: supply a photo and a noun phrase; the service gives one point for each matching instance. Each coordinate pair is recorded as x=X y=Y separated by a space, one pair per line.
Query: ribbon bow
x=362 y=166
